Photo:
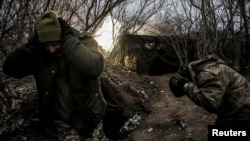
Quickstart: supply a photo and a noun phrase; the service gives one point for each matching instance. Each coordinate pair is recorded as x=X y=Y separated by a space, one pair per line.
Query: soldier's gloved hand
x=176 y=84
x=185 y=73
x=33 y=39
x=33 y=43
x=66 y=29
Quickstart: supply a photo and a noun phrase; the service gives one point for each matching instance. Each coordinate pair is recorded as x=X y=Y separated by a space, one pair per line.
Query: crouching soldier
x=216 y=87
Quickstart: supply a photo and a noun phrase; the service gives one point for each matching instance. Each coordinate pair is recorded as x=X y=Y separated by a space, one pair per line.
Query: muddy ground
x=171 y=119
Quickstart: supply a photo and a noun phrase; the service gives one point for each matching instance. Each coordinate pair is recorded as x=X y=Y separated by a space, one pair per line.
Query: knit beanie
x=49 y=28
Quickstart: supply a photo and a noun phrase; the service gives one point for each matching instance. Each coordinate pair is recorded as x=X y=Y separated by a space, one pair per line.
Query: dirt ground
x=171 y=119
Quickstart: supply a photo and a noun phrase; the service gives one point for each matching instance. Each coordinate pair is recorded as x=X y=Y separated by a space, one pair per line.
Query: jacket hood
x=197 y=66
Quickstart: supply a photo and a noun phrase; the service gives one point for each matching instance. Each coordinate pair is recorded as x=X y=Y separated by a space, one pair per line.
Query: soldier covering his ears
x=216 y=87
x=66 y=65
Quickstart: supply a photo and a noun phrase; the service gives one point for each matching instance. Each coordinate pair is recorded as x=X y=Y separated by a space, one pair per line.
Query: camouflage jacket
x=220 y=90
x=79 y=71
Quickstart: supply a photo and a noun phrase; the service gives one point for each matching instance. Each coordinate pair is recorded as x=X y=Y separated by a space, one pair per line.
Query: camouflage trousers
x=67 y=133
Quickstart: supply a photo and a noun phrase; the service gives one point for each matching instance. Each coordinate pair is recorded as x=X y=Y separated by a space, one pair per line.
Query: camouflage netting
x=147 y=54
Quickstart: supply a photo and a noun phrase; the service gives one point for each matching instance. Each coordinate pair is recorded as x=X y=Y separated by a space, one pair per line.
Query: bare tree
x=224 y=22
x=132 y=20
x=17 y=20
x=218 y=27
x=86 y=15
x=211 y=22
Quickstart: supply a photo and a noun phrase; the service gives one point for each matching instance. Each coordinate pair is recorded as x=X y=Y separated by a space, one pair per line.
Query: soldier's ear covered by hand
x=176 y=84
x=66 y=29
x=185 y=73
x=33 y=39
x=33 y=43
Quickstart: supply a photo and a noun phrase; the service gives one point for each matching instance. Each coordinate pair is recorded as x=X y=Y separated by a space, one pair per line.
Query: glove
x=176 y=84
x=33 y=43
x=33 y=39
x=66 y=29
x=185 y=73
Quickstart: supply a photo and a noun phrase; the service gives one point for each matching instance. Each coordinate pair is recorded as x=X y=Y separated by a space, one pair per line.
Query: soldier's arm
x=20 y=62
x=209 y=91
x=84 y=54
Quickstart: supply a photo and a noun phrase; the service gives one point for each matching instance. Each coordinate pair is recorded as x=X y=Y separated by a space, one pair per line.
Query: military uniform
x=220 y=90
x=68 y=86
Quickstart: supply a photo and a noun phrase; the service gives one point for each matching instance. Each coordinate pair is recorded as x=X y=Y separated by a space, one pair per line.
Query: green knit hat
x=49 y=28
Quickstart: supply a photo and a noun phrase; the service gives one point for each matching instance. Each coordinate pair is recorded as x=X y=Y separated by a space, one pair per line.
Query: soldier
x=66 y=65
x=213 y=85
